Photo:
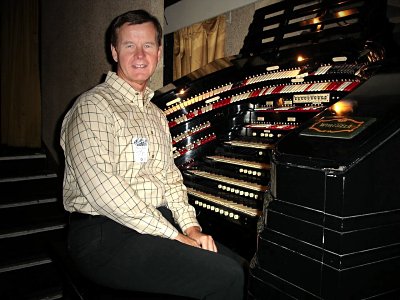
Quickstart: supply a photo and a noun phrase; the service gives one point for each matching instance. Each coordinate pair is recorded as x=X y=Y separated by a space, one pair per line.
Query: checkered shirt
x=103 y=173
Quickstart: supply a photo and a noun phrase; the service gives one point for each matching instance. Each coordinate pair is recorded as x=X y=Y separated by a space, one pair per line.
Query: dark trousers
x=115 y=256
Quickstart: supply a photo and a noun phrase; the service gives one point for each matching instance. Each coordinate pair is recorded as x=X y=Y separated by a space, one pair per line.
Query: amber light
x=342 y=108
x=316 y=20
x=345 y=13
x=300 y=58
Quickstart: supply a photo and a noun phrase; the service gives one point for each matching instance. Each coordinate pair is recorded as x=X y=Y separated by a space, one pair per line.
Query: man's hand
x=187 y=240
x=203 y=240
x=194 y=237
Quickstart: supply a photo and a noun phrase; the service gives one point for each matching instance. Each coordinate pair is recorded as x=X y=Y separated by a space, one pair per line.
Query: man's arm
x=183 y=212
x=176 y=193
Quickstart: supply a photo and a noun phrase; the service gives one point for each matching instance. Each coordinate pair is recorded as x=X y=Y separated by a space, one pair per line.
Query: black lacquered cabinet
x=331 y=229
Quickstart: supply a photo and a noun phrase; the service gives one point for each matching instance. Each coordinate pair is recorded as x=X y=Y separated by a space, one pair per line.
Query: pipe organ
x=228 y=118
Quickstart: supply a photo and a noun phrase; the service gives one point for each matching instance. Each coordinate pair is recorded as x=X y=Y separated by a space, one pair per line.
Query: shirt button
x=152 y=156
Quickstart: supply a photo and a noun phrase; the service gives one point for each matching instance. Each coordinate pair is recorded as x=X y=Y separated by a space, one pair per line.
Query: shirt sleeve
x=88 y=141
x=176 y=194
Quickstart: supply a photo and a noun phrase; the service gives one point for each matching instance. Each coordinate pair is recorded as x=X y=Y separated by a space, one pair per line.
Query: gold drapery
x=198 y=45
x=20 y=83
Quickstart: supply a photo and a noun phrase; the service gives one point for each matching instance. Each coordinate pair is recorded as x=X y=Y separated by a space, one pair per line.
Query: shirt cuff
x=170 y=232
x=191 y=224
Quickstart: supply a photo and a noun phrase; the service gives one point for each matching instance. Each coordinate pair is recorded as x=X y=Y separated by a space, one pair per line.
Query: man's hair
x=132 y=17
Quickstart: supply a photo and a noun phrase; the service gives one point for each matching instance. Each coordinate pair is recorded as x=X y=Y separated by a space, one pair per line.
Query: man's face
x=137 y=53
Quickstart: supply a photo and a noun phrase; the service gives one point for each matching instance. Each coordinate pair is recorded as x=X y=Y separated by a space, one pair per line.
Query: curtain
x=20 y=83
x=198 y=45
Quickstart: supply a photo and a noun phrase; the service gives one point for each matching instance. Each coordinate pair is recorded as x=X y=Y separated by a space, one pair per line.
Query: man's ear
x=159 y=53
x=114 y=53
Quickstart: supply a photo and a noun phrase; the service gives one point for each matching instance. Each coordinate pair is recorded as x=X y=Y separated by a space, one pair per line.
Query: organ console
x=236 y=128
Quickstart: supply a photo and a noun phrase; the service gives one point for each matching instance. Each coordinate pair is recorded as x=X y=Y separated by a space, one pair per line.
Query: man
x=131 y=226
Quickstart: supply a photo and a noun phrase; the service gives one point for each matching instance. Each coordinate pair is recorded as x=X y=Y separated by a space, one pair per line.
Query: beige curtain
x=20 y=83
x=198 y=45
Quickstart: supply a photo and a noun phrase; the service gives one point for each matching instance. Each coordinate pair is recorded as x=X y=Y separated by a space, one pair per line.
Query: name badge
x=140 y=149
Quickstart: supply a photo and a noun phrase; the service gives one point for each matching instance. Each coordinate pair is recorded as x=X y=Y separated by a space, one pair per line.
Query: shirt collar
x=140 y=99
